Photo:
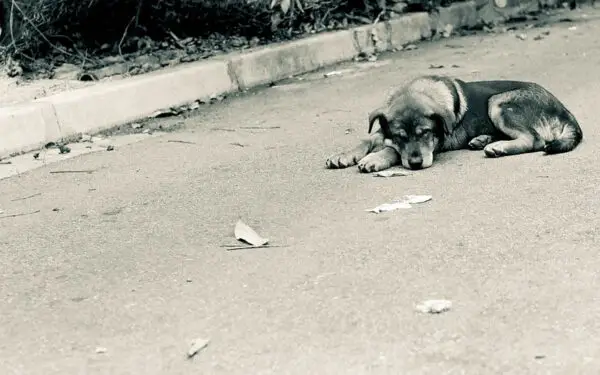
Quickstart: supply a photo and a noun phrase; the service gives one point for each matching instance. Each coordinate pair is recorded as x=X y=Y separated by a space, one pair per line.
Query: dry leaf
x=390 y=174
x=415 y=199
x=386 y=207
x=197 y=346
x=434 y=306
x=246 y=234
x=334 y=73
x=285 y=6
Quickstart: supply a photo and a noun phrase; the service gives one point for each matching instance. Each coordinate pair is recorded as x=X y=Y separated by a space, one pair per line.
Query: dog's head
x=414 y=125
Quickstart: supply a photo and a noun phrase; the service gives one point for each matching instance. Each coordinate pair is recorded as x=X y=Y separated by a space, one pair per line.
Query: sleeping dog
x=434 y=114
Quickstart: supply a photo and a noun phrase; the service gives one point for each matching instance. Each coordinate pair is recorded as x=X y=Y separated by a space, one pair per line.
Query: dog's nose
x=415 y=162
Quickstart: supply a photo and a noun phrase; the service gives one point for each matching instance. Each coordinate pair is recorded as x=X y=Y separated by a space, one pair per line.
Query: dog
x=434 y=114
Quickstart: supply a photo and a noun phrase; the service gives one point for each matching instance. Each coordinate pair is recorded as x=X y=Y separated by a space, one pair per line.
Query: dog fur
x=434 y=114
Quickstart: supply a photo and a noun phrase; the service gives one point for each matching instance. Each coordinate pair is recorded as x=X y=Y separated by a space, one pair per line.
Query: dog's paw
x=479 y=142
x=374 y=163
x=343 y=160
x=494 y=150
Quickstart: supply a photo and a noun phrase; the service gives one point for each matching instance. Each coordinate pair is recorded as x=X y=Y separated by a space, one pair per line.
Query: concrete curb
x=88 y=110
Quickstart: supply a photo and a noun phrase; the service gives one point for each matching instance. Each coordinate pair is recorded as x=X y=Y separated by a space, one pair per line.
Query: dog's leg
x=512 y=147
x=511 y=114
x=352 y=157
x=378 y=161
x=479 y=142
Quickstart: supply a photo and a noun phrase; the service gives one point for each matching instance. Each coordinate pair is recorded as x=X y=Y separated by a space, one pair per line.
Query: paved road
x=132 y=260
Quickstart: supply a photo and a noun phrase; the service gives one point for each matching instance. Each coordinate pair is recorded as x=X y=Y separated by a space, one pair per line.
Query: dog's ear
x=445 y=118
x=381 y=115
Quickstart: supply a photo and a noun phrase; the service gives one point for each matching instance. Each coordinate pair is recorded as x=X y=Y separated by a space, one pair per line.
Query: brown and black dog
x=434 y=114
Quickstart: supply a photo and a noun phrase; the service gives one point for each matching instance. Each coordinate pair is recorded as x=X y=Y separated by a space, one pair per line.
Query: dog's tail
x=568 y=139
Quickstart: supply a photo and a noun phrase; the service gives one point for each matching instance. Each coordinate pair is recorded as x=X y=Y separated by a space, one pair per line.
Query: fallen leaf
x=110 y=148
x=196 y=346
x=246 y=234
x=164 y=113
x=331 y=74
x=539 y=37
x=447 y=32
x=386 y=207
x=389 y=173
x=434 y=306
x=433 y=66
x=62 y=149
x=415 y=199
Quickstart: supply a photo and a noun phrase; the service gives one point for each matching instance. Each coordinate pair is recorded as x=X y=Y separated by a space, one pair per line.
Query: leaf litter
x=248 y=235
x=197 y=346
x=389 y=173
x=405 y=202
x=434 y=306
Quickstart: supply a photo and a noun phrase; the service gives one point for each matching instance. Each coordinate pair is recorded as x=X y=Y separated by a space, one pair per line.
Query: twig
x=260 y=127
x=5 y=162
x=378 y=17
x=179 y=141
x=29 y=21
x=22 y=214
x=76 y=171
x=138 y=12
x=176 y=39
x=254 y=247
x=27 y=197
x=124 y=36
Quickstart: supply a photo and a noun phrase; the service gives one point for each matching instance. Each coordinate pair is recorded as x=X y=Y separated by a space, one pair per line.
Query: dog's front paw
x=374 y=163
x=495 y=150
x=342 y=160
x=479 y=142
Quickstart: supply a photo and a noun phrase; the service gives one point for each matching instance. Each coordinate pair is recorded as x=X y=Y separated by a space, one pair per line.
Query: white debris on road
x=196 y=346
x=390 y=174
x=403 y=203
x=434 y=306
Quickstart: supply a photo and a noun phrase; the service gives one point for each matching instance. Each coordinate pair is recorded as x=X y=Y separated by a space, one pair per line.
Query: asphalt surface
x=129 y=258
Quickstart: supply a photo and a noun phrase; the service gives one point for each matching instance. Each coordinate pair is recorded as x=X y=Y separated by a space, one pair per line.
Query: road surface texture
x=129 y=258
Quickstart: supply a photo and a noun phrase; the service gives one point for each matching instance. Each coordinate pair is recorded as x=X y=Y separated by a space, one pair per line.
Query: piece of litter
x=110 y=148
x=434 y=306
x=402 y=203
x=348 y=131
x=331 y=74
x=415 y=199
x=101 y=350
x=386 y=207
x=521 y=36
x=246 y=234
x=196 y=346
x=447 y=32
x=435 y=66
x=390 y=174
x=410 y=47
x=573 y=28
